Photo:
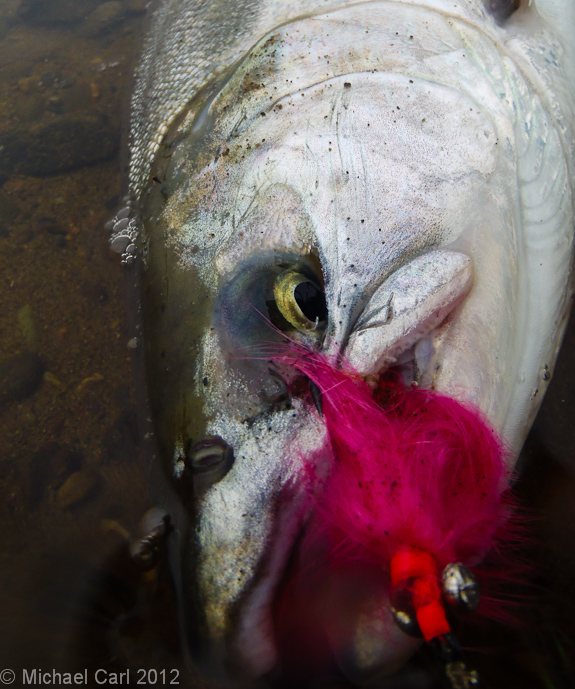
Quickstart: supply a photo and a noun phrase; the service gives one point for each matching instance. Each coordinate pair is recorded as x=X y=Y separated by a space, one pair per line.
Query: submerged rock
x=64 y=143
x=20 y=376
x=8 y=16
x=51 y=225
x=79 y=486
x=51 y=463
x=103 y=19
x=136 y=6
x=53 y=12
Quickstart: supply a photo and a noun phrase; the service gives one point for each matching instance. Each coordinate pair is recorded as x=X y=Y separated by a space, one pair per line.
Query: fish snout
x=397 y=321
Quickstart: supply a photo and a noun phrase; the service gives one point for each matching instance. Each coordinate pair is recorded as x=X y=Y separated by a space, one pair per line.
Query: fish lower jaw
x=341 y=627
x=371 y=648
x=290 y=631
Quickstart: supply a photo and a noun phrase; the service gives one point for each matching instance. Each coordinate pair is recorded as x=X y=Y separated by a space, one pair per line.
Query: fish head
x=362 y=204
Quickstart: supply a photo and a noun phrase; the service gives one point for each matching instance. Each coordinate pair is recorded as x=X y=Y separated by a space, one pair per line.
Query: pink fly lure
x=418 y=481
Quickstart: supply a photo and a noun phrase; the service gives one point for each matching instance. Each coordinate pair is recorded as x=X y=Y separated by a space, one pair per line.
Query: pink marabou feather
x=411 y=468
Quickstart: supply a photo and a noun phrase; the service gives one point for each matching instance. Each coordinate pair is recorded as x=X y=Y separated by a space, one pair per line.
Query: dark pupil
x=311 y=301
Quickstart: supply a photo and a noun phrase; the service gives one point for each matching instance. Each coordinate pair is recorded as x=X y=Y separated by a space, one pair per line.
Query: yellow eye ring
x=285 y=297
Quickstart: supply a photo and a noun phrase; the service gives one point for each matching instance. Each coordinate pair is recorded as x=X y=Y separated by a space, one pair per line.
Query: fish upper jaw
x=409 y=304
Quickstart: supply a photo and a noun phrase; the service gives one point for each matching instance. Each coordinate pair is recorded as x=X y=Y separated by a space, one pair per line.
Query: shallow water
x=72 y=477
x=72 y=487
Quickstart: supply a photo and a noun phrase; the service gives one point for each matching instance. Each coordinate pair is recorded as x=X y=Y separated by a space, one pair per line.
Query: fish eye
x=300 y=300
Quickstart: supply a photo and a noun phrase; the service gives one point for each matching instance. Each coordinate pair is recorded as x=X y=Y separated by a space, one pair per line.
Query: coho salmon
x=354 y=224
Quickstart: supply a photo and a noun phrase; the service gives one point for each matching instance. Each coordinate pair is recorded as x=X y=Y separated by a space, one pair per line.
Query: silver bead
x=460 y=586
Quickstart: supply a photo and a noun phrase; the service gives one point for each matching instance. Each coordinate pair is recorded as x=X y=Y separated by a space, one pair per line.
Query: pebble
x=54 y=104
x=23 y=233
x=51 y=226
x=121 y=224
x=79 y=486
x=48 y=464
x=136 y=6
x=20 y=376
x=50 y=79
x=65 y=143
x=103 y=19
x=154 y=520
x=28 y=326
x=53 y=12
x=51 y=379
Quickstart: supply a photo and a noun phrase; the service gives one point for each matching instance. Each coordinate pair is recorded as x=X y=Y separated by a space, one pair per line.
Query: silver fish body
x=413 y=162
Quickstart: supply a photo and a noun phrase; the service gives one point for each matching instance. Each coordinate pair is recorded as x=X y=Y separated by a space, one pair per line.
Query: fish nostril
x=409 y=305
x=502 y=9
x=209 y=460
